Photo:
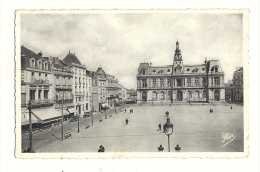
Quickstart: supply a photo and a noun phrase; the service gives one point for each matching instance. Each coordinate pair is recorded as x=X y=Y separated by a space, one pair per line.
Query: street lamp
x=167 y=114
x=168 y=129
x=105 y=112
x=30 y=127
x=115 y=105
x=78 y=116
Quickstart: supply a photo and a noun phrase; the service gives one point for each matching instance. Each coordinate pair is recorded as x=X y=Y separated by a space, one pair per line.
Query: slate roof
x=26 y=52
x=60 y=65
x=71 y=58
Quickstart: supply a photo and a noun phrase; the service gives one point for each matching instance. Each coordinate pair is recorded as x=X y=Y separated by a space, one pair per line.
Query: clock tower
x=177 y=62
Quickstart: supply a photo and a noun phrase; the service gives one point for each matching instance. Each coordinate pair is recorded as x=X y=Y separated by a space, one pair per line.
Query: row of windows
x=40 y=76
x=40 y=64
x=79 y=70
x=79 y=99
x=79 y=88
x=63 y=81
x=161 y=95
x=179 y=82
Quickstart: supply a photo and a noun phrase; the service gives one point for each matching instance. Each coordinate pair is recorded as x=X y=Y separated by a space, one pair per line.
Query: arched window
x=143 y=72
x=190 y=94
x=216 y=95
x=197 y=94
x=178 y=69
x=162 y=95
x=169 y=95
x=204 y=94
x=154 y=95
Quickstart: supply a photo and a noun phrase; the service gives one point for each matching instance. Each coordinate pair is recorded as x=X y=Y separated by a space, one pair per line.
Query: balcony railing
x=63 y=87
x=79 y=83
x=62 y=73
x=40 y=81
x=42 y=103
x=80 y=93
x=65 y=98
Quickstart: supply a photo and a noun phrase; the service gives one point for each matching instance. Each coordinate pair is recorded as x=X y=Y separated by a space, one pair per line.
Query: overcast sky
x=119 y=42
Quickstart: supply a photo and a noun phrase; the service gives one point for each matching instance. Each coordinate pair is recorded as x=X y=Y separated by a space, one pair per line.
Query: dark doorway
x=216 y=95
x=179 y=96
x=144 y=97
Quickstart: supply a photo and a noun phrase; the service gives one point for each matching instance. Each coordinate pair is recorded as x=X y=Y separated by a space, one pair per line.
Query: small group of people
x=160 y=128
x=101 y=148
x=131 y=110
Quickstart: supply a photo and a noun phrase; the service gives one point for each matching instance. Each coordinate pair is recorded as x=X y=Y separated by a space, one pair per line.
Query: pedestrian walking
x=160 y=127
x=125 y=110
x=231 y=107
x=126 y=121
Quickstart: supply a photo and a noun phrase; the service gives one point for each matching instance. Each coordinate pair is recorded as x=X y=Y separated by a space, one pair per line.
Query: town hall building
x=179 y=83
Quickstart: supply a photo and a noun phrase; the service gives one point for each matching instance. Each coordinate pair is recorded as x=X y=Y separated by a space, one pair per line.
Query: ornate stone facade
x=180 y=83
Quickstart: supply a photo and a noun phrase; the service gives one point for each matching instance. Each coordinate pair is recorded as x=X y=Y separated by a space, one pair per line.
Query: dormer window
x=216 y=69
x=33 y=63
x=188 y=69
x=203 y=69
x=143 y=72
x=46 y=66
x=168 y=70
x=40 y=65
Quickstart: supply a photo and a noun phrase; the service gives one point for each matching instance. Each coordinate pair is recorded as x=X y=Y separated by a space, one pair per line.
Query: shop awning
x=48 y=114
x=72 y=110
x=25 y=117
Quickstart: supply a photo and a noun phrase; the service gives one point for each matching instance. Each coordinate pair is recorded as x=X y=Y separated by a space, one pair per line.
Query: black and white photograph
x=132 y=83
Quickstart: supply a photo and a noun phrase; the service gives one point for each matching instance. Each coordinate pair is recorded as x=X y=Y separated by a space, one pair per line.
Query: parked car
x=74 y=118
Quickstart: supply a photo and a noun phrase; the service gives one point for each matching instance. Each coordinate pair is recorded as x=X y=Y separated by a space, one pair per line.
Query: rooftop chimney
x=40 y=53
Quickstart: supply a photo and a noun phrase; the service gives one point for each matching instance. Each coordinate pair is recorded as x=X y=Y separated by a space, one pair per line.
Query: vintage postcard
x=132 y=83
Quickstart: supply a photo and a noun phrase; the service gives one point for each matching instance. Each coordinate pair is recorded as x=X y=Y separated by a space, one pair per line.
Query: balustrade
x=40 y=81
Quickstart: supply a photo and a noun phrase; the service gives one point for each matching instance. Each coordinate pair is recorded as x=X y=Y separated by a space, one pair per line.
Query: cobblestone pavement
x=195 y=130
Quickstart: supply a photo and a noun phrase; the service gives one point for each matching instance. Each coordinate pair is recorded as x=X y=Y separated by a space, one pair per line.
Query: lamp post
x=115 y=105
x=189 y=96
x=62 y=116
x=168 y=129
x=30 y=126
x=78 y=116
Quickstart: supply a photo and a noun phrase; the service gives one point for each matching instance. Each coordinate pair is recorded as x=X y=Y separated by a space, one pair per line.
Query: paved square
x=195 y=130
